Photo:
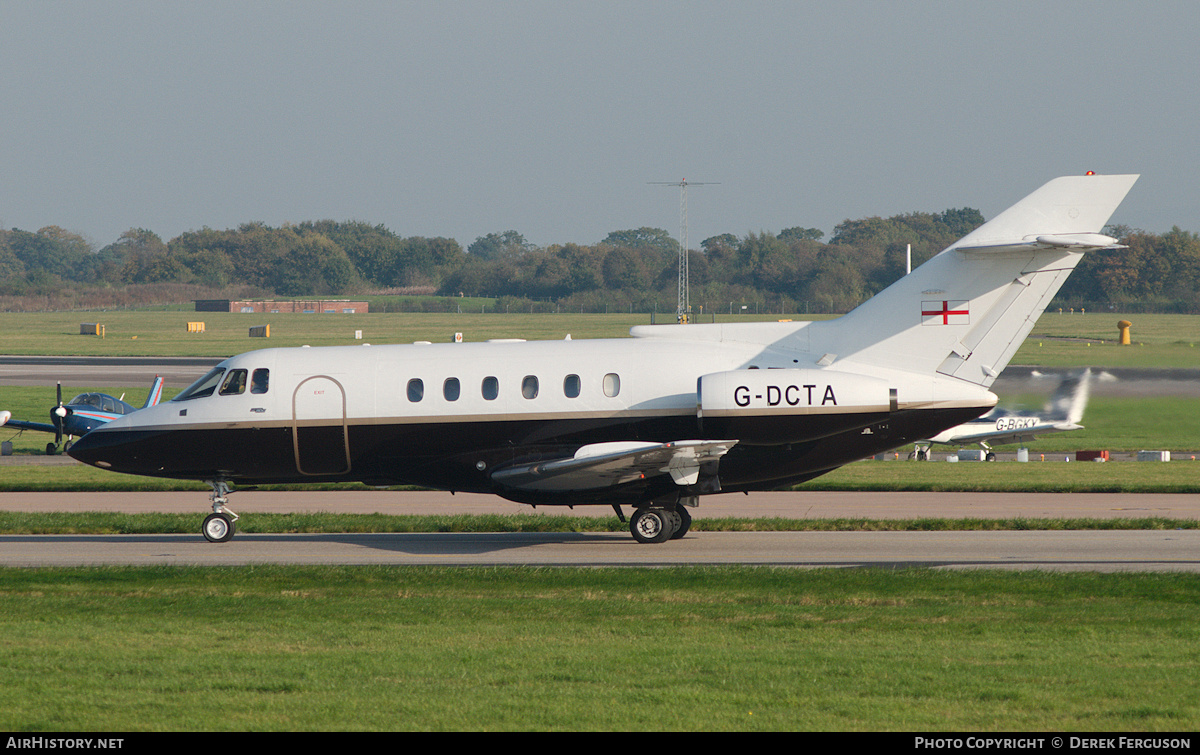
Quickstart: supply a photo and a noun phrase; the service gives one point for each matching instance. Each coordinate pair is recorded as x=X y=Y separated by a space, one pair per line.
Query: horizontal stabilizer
x=1078 y=242
x=601 y=465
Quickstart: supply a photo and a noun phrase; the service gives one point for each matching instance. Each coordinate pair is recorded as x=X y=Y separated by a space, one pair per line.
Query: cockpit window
x=202 y=387
x=261 y=381
x=235 y=383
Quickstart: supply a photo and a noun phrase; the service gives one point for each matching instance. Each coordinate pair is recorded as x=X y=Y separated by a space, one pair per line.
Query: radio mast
x=683 y=310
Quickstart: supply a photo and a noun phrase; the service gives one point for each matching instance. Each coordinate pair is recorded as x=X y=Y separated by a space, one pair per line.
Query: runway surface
x=1130 y=550
x=1176 y=550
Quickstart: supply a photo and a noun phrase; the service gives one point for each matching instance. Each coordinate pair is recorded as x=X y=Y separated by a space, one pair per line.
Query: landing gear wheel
x=990 y=456
x=218 y=528
x=652 y=525
x=685 y=522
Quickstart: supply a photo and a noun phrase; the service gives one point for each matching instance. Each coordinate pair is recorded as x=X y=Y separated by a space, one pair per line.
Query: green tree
x=801 y=234
x=643 y=238
x=497 y=245
x=315 y=266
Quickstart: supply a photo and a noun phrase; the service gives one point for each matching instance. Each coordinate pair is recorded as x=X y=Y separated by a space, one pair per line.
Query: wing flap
x=601 y=465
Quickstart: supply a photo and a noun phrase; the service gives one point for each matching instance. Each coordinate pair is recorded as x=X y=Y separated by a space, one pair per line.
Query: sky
x=556 y=119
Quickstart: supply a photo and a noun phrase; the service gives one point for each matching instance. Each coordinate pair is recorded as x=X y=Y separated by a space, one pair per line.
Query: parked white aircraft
x=999 y=427
x=654 y=421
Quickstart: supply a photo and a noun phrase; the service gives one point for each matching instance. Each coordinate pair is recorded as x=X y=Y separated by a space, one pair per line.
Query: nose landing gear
x=220 y=525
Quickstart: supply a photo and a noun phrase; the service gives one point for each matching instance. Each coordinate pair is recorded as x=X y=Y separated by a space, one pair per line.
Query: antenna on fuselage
x=684 y=308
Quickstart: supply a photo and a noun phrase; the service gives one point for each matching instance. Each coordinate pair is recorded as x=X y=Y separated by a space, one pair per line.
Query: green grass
x=509 y=649
x=1092 y=340
x=137 y=333
x=1056 y=340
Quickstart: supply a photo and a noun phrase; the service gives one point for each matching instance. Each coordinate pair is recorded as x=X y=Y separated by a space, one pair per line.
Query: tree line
x=794 y=270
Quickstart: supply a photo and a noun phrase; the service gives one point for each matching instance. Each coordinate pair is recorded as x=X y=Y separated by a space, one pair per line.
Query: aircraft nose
x=107 y=449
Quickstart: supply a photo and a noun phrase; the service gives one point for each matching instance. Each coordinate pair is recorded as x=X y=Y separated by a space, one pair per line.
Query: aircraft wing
x=601 y=465
x=7 y=421
x=1006 y=435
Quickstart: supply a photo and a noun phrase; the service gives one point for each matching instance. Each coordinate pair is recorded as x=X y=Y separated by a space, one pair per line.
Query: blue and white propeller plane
x=1063 y=413
x=653 y=422
x=81 y=415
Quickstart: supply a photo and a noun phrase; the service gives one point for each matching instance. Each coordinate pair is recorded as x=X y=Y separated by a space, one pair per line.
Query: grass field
x=700 y=649
x=1056 y=341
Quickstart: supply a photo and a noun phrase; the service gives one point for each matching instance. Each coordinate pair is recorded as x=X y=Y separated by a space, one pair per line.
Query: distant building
x=291 y=306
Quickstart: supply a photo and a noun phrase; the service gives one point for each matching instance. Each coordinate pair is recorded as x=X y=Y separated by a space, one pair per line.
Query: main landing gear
x=220 y=525
x=660 y=522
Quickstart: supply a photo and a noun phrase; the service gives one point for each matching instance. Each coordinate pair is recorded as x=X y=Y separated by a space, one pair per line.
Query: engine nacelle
x=789 y=406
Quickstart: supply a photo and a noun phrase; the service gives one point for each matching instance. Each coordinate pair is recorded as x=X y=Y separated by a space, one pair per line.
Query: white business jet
x=651 y=422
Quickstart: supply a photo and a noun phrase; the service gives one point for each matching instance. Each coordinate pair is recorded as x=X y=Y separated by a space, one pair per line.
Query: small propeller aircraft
x=1062 y=413
x=80 y=415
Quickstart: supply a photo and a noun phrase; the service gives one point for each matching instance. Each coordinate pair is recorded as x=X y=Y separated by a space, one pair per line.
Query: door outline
x=296 y=432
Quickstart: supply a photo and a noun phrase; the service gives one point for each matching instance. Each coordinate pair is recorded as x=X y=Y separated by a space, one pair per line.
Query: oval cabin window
x=416 y=390
x=571 y=386
x=451 y=389
x=529 y=386
x=612 y=384
x=490 y=388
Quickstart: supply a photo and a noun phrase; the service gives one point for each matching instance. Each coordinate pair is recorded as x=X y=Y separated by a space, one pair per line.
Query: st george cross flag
x=945 y=313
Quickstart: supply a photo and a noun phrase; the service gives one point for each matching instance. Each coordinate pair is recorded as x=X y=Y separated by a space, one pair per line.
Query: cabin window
x=416 y=390
x=451 y=389
x=202 y=387
x=260 y=381
x=571 y=386
x=490 y=388
x=235 y=383
x=529 y=386
x=612 y=384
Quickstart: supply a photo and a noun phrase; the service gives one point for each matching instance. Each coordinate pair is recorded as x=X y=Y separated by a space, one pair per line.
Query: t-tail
x=965 y=312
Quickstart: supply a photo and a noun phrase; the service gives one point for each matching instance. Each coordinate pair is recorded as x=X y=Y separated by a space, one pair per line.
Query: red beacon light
x=1090 y=173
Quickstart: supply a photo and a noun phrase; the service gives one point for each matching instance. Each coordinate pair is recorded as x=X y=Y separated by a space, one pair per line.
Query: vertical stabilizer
x=966 y=311
x=155 y=394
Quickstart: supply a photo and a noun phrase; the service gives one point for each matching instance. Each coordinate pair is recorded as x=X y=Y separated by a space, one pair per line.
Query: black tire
x=685 y=522
x=218 y=528
x=651 y=525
